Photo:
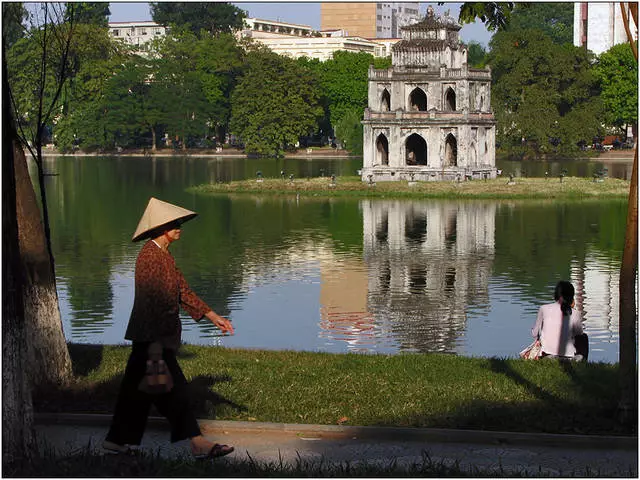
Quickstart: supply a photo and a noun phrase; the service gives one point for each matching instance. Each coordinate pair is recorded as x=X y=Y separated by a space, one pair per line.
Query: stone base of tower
x=427 y=174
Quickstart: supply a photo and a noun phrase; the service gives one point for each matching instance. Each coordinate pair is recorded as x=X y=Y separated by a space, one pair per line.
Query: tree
x=214 y=17
x=82 y=120
x=617 y=70
x=95 y=13
x=185 y=104
x=13 y=16
x=19 y=442
x=49 y=359
x=349 y=131
x=495 y=15
x=545 y=96
x=219 y=61
x=274 y=103
x=629 y=268
x=554 y=19
x=476 y=56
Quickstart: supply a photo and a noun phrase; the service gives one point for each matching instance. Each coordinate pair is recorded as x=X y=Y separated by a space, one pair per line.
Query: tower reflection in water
x=425 y=264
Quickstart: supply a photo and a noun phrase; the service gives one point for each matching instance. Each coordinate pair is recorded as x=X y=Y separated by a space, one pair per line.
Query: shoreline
x=620 y=156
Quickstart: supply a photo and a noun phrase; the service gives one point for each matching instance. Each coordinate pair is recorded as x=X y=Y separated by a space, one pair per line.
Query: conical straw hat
x=157 y=214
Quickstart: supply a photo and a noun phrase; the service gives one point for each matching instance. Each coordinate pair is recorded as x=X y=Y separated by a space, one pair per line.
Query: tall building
x=599 y=26
x=369 y=20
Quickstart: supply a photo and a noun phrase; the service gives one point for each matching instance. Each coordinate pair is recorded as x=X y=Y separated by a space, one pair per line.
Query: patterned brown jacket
x=160 y=290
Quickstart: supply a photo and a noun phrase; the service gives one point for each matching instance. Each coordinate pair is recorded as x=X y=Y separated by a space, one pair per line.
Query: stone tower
x=429 y=116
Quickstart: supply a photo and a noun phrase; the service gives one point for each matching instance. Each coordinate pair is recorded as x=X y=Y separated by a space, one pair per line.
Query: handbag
x=533 y=351
x=157 y=378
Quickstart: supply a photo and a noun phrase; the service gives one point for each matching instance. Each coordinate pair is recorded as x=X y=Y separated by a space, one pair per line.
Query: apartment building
x=136 y=34
x=369 y=20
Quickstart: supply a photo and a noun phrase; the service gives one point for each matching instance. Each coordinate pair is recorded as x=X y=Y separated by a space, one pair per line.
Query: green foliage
x=96 y=58
x=617 y=70
x=476 y=56
x=13 y=16
x=185 y=106
x=349 y=131
x=544 y=95
x=219 y=61
x=273 y=104
x=495 y=15
x=344 y=81
x=95 y=13
x=554 y=19
x=213 y=17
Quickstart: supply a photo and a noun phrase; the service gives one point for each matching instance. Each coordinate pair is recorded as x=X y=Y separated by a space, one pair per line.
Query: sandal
x=112 y=447
x=218 y=450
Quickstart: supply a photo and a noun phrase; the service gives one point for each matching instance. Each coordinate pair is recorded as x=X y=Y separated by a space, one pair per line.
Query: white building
x=136 y=34
x=297 y=41
x=429 y=116
x=600 y=26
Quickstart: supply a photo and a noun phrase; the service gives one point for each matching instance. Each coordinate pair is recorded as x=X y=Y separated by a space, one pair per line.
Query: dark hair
x=565 y=291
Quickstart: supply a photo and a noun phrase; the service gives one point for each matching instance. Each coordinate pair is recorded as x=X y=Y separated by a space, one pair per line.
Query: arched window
x=382 y=150
x=418 y=100
x=416 y=150
x=385 y=104
x=450 y=100
x=451 y=151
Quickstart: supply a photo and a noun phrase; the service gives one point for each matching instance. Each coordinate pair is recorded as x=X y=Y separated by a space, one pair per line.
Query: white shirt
x=557 y=334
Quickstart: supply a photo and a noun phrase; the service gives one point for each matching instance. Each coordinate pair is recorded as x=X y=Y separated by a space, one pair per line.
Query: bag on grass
x=533 y=351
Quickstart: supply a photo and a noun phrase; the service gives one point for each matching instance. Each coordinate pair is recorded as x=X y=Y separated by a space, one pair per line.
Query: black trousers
x=132 y=407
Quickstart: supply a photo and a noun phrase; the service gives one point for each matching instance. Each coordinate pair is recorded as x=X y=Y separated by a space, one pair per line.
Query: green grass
x=571 y=188
x=417 y=390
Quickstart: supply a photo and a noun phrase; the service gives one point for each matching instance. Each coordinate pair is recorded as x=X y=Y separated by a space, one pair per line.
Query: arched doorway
x=450 y=100
x=385 y=104
x=382 y=150
x=418 y=100
x=451 y=151
x=416 y=150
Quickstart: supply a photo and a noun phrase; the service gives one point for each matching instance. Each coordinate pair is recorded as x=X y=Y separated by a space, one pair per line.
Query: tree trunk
x=627 y=289
x=49 y=360
x=629 y=270
x=18 y=438
x=153 y=139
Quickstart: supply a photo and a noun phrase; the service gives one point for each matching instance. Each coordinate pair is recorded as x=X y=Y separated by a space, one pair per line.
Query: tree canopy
x=554 y=19
x=617 y=70
x=95 y=13
x=274 y=103
x=213 y=17
x=545 y=96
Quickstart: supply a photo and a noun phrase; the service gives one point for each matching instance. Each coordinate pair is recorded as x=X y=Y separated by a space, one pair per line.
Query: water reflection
x=333 y=274
x=427 y=262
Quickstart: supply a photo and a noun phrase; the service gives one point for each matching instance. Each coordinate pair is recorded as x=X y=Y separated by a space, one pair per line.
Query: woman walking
x=152 y=375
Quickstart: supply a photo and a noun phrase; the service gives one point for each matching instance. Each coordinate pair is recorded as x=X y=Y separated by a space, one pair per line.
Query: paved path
x=536 y=454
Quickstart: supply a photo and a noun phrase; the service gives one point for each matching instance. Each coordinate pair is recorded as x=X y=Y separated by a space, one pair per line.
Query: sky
x=305 y=13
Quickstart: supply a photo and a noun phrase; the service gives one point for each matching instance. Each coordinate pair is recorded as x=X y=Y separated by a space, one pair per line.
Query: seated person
x=558 y=324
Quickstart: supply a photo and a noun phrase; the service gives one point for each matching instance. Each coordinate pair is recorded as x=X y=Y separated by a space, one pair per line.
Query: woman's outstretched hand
x=222 y=323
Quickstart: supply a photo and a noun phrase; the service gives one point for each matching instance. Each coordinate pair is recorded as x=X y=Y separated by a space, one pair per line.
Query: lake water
x=335 y=275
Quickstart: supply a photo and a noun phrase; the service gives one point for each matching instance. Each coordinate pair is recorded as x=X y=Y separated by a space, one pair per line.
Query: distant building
x=136 y=34
x=429 y=116
x=297 y=41
x=369 y=20
x=599 y=26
